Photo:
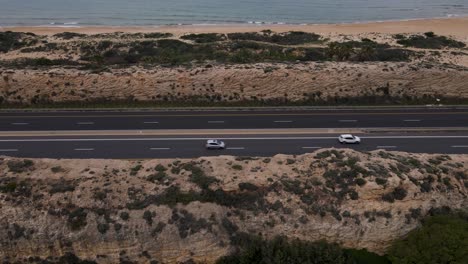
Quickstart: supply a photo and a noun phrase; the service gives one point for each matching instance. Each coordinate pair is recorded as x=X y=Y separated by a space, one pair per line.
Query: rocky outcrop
x=175 y=210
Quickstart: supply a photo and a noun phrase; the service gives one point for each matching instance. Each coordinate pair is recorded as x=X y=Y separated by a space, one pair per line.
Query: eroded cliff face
x=176 y=210
x=321 y=82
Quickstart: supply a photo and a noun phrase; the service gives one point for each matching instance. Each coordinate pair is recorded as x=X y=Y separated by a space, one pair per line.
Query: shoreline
x=444 y=26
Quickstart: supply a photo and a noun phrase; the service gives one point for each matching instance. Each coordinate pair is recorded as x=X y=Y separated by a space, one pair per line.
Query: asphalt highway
x=134 y=120
x=139 y=147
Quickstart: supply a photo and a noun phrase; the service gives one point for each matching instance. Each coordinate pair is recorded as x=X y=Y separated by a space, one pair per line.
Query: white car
x=349 y=139
x=215 y=144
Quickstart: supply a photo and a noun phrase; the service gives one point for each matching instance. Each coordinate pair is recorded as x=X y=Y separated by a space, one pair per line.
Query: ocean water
x=168 y=12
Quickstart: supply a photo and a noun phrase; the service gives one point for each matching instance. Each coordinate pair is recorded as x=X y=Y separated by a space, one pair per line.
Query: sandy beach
x=456 y=27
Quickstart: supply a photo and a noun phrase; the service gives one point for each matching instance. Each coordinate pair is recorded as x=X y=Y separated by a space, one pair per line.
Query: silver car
x=349 y=139
x=215 y=144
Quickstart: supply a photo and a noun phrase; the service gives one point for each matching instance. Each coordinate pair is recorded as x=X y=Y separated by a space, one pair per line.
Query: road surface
x=100 y=142
x=132 y=120
x=136 y=147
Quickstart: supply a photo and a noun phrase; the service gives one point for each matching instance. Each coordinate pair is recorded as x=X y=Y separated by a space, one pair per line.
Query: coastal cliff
x=176 y=210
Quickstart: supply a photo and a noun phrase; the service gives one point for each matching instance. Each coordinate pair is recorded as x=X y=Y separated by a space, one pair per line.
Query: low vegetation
x=281 y=250
x=204 y=38
x=441 y=239
x=16 y=40
x=429 y=41
x=288 y=38
x=99 y=51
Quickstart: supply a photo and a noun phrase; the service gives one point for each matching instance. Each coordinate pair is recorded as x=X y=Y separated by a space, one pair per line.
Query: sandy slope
x=434 y=73
x=51 y=207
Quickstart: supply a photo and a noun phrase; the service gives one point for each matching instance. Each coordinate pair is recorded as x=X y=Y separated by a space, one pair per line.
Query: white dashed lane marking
x=84 y=149
x=160 y=148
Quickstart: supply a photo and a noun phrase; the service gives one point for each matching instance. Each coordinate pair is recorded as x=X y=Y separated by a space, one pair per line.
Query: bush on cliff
x=280 y=250
x=15 y=40
x=441 y=239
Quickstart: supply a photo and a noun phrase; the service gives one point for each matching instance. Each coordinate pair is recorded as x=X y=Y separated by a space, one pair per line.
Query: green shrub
x=77 y=219
x=430 y=41
x=124 y=216
x=57 y=169
x=9 y=187
x=280 y=250
x=360 y=181
x=62 y=187
x=19 y=166
x=136 y=169
x=187 y=224
x=148 y=216
x=323 y=155
x=247 y=186
x=441 y=239
x=69 y=35
x=158 y=229
x=381 y=181
x=157 y=35
x=204 y=37
x=198 y=176
x=237 y=167
x=16 y=40
x=362 y=256
x=103 y=227
x=397 y=194
x=288 y=38
x=292 y=186
x=229 y=226
x=160 y=168
x=159 y=177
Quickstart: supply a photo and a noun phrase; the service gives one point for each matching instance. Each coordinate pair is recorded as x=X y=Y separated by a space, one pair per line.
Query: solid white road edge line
x=8 y=150
x=235 y=148
x=460 y=146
